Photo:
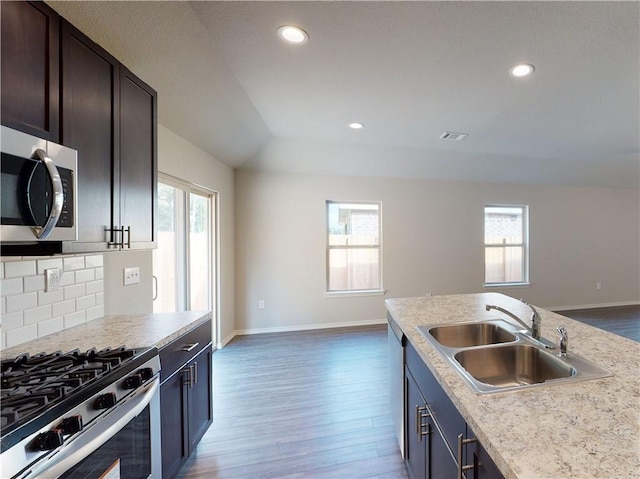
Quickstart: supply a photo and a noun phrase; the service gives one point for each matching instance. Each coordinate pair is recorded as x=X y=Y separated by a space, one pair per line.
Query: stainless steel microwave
x=38 y=189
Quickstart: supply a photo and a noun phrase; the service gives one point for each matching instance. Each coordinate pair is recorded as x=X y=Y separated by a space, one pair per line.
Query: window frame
x=353 y=292
x=524 y=245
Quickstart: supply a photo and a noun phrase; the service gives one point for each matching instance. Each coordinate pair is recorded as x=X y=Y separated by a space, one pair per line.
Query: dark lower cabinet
x=186 y=396
x=29 y=76
x=439 y=443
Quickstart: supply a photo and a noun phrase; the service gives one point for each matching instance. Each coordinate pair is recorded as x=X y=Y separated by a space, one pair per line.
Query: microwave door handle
x=43 y=232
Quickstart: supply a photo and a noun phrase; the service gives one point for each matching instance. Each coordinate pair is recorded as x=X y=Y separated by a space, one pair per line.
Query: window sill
x=350 y=294
x=507 y=285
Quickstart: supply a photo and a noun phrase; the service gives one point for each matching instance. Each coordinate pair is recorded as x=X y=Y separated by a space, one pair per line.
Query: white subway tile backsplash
x=85 y=302
x=34 y=283
x=48 y=264
x=29 y=312
x=64 y=307
x=20 y=302
x=74 y=291
x=68 y=277
x=50 y=326
x=94 y=287
x=95 y=313
x=18 y=269
x=50 y=297
x=9 y=287
x=12 y=321
x=84 y=275
x=35 y=315
x=73 y=263
x=74 y=319
x=21 y=335
x=94 y=261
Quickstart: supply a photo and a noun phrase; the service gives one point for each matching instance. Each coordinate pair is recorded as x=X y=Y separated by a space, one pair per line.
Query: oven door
x=125 y=444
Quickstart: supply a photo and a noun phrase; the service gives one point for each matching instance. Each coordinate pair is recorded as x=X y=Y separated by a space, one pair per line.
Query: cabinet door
x=483 y=465
x=200 y=398
x=416 y=445
x=90 y=83
x=173 y=421
x=138 y=159
x=29 y=77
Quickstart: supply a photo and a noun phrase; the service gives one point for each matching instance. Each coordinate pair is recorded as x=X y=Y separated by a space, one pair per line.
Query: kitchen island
x=134 y=331
x=584 y=429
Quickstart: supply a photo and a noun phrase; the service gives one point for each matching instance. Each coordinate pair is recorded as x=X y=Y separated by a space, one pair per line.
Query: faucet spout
x=533 y=330
x=489 y=307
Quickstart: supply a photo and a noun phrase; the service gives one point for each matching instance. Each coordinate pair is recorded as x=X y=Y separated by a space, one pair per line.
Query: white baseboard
x=591 y=306
x=225 y=341
x=307 y=327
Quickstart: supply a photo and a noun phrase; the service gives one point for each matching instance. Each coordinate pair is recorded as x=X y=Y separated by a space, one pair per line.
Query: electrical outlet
x=131 y=275
x=261 y=304
x=598 y=285
x=52 y=279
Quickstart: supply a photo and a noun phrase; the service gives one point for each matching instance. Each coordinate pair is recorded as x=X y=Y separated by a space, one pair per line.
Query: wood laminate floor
x=310 y=404
x=621 y=320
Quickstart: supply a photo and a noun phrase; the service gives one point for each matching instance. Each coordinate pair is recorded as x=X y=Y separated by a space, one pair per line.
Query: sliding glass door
x=184 y=260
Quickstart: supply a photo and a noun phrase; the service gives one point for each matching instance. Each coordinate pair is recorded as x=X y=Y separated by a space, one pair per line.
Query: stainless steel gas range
x=81 y=414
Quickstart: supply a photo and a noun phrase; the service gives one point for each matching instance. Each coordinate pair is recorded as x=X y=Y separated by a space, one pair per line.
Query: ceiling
x=408 y=70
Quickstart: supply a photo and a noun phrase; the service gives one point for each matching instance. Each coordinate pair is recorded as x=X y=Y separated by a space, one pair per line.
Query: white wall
x=179 y=158
x=133 y=298
x=432 y=243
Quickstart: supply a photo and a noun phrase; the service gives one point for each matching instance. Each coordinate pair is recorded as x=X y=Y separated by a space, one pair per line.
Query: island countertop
x=588 y=429
x=133 y=331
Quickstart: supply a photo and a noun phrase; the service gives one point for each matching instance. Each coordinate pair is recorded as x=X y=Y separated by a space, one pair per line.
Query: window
x=184 y=260
x=506 y=245
x=354 y=255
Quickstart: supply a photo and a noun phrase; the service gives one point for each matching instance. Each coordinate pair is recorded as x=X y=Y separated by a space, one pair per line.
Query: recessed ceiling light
x=293 y=35
x=356 y=126
x=522 y=70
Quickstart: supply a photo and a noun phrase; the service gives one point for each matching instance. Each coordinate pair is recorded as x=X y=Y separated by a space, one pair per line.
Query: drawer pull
x=462 y=468
x=190 y=347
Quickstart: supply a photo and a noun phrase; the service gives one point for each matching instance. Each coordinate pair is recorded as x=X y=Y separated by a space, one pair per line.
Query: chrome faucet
x=534 y=330
x=564 y=341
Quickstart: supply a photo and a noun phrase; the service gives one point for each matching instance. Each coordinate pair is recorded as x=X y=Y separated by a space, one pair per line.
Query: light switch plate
x=131 y=275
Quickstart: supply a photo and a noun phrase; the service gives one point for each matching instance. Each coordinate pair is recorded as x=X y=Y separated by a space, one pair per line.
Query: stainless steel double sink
x=496 y=355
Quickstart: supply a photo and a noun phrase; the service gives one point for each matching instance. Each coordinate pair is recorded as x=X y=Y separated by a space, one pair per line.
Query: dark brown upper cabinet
x=29 y=75
x=110 y=116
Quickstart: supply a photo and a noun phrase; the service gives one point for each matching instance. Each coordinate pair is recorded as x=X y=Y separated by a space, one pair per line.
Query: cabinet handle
x=189 y=380
x=195 y=373
x=190 y=347
x=463 y=467
x=128 y=243
x=420 y=425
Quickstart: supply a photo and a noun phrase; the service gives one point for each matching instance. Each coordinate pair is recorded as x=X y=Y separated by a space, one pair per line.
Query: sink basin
x=513 y=365
x=471 y=334
x=495 y=356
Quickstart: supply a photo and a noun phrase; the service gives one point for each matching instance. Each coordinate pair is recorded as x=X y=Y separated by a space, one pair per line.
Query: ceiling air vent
x=451 y=136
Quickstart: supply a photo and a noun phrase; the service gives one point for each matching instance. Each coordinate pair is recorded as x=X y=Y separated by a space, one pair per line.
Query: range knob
x=145 y=373
x=49 y=440
x=105 y=401
x=132 y=382
x=72 y=424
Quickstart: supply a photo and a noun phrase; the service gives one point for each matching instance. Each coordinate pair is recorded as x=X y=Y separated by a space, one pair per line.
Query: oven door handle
x=42 y=232
x=95 y=436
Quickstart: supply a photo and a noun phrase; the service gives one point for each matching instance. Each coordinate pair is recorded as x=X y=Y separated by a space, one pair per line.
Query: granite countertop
x=133 y=331
x=583 y=430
